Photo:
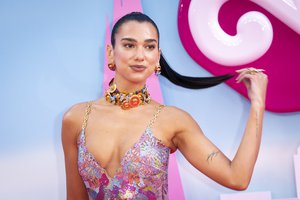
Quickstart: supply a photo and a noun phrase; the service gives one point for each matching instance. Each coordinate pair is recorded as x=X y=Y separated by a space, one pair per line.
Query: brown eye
x=150 y=47
x=129 y=46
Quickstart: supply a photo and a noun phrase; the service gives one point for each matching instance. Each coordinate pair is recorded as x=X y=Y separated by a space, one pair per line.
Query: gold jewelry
x=157 y=69
x=253 y=71
x=124 y=99
x=112 y=66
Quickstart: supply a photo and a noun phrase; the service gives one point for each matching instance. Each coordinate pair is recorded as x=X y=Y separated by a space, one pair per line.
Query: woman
x=118 y=147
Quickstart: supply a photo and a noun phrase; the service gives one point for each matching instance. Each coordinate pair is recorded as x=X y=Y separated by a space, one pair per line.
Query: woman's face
x=136 y=52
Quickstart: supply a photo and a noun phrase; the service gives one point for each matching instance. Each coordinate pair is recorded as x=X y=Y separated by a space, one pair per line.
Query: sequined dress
x=142 y=174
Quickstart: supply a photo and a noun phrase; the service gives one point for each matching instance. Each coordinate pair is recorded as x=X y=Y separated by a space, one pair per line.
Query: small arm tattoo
x=211 y=156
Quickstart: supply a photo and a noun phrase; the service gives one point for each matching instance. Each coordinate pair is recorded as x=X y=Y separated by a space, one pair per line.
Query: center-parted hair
x=166 y=70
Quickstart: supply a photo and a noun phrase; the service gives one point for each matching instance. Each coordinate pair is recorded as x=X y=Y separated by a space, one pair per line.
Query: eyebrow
x=133 y=40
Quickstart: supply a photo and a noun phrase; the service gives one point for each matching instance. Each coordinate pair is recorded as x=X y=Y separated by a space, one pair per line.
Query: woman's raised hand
x=256 y=82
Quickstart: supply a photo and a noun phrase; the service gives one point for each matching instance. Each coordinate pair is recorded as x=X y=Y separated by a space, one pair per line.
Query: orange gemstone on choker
x=134 y=101
x=125 y=105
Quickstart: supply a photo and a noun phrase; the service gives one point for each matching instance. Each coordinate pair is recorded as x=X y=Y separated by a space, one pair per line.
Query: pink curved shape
x=281 y=62
x=122 y=7
x=287 y=11
x=254 y=34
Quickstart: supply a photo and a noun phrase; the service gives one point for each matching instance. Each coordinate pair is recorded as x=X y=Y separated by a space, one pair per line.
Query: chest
x=146 y=159
x=142 y=173
x=111 y=135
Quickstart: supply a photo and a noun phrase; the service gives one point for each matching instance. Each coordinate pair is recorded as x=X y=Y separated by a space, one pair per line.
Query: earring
x=111 y=66
x=157 y=70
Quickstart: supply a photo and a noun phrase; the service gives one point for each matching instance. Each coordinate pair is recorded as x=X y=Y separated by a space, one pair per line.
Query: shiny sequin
x=142 y=175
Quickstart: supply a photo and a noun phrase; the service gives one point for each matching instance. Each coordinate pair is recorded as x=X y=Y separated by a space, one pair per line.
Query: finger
x=252 y=71
x=249 y=69
x=256 y=69
x=242 y=73
x=241 y=70
x=244 y=77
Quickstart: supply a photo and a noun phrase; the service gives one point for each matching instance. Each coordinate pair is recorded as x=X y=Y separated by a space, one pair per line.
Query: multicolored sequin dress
x=142 y=174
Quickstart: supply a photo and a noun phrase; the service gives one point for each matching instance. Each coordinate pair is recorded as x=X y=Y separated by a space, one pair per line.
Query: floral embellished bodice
x=143 y=171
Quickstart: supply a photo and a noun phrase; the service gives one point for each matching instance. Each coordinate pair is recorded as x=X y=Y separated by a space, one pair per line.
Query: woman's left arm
x=208 y=159
x=245 y=158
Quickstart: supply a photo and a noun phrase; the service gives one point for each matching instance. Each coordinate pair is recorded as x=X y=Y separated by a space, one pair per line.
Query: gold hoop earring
x=111 y=66
x=157 y=69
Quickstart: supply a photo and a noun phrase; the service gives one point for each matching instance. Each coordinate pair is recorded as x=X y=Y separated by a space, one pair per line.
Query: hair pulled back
x=166 y=70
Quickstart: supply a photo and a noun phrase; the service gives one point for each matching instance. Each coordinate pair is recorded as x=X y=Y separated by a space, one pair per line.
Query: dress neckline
x=148 y=130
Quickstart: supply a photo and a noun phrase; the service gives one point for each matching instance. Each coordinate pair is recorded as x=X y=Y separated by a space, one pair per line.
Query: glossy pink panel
x=281 y=61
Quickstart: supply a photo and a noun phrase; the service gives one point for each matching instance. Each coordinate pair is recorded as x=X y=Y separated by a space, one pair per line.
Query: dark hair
x=166 y=70
x=134 y=16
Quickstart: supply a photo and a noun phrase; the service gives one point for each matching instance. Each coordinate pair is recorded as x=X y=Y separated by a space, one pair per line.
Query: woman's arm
x=71 y=125
x=207 y=158
x=246 y=155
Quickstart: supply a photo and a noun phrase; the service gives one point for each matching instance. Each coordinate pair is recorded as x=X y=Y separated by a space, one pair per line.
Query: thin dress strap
x=86 y=115
x=158 y=110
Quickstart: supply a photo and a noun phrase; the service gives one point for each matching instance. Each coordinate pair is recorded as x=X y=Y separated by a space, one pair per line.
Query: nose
x=140 y=54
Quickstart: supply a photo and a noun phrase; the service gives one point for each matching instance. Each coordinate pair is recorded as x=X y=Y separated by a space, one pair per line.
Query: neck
x=126 y=86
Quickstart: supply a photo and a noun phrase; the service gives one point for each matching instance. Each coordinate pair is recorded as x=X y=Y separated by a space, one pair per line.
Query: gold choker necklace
x=127 y=100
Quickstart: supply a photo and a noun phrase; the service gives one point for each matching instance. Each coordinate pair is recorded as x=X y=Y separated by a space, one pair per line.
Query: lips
x=138 y=68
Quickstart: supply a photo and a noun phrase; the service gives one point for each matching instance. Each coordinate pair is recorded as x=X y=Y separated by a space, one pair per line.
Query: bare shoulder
x=73 y=119
x=74 y=113
x=178 y=117
x=175 y=113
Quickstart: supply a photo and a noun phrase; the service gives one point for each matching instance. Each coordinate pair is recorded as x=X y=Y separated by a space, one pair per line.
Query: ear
x=110 y=53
